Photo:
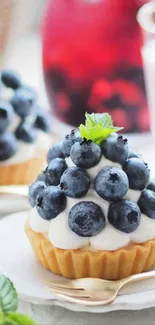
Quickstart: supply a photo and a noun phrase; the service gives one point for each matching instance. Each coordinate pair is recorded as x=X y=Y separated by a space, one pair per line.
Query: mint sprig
x=9 y=304
x=98 y=127
x=18 y=319
x=8 y=295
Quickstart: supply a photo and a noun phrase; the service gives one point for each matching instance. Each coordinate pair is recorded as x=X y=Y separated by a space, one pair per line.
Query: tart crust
x=24 y=172
x=80 y=263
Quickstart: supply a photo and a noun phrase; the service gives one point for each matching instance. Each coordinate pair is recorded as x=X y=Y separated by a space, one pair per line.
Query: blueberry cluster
x=24 y=105
x=49 y=193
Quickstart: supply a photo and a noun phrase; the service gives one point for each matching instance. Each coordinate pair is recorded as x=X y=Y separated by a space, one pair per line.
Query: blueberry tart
x=93 y=208
x=24 y=131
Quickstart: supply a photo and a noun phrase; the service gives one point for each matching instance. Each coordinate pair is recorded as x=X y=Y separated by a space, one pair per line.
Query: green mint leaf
x=103 y=119
x=2 y=319
x=98 y=127
x=84 y=131
x=8 y=295
x=18 y=319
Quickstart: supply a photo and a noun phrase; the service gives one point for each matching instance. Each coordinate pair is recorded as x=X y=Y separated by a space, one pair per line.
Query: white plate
x=12 y=203
x=18 y=262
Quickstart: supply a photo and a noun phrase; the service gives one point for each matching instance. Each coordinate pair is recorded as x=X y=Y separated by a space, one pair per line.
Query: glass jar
x=146 y=19
x=92 y=61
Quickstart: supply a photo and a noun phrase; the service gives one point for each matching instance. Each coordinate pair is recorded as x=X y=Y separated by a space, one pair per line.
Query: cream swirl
x=61 y=236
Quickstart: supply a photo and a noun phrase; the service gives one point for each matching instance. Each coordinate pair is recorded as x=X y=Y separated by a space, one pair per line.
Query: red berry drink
x=92 y=61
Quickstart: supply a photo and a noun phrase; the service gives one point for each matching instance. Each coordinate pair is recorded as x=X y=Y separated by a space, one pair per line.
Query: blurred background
x=91 y=57
x=20 y=41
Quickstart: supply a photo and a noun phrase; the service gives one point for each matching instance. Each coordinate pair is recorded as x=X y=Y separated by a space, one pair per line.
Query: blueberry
x=124 y=215
x=22 y=102
x=10 y=79
x=34 y=190
x=43 y=122
x=75 y=182
x=68 y=142
x=138 y=173
x=6 y=114
x=41 y=177
x=147 y=203
x=85 y=154
x=133 y=155
x=8 y=145
x=151 y=185
x=54 y=171
x=55 y=152
x=86 y=219
x=50 y=202
x=25 y=132
x=111 y=183
x=116 y=148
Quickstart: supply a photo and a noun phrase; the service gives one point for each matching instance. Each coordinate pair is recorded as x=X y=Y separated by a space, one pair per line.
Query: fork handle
x=21 y=190
x=138 y=277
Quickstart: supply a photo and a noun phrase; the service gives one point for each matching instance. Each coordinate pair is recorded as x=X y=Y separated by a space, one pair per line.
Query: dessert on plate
x=24 y=128
x=93 y=208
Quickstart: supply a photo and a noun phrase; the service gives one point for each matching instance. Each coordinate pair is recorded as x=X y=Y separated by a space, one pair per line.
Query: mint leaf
x=98 y=127
x=2 y=320
x=9 y=304
x=18 y=319
x=103 y=119
x=8 y=295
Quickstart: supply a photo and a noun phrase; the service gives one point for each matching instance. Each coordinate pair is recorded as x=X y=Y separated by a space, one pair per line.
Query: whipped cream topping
x=36 y=222
x=61 y=236
x=66 y=238
x=27 y=151
x=133 y=195
x=14 y=123
x=109 y=239
x=92 y=172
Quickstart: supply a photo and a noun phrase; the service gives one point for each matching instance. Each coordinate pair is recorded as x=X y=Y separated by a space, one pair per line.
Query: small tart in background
x=24 y=131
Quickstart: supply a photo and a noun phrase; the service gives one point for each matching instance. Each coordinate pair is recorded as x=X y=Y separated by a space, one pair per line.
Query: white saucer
x=12 y=203
x=18 y=262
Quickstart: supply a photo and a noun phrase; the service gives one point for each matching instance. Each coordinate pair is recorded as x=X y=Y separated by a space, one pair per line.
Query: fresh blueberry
x=151 y=185
x=138 y=173
x=116 y=148
x=41 y=177
x=10 y=79
x=6 y=114
x=86 y=219
x=43 y=122
x=124 y=215
x=22 y=102
x=111 y=183
x=85 y=154
x=8 y=145
x=50 y=202
x=55 y=152
x=54 y=171
x=75 y=182
x=25 y=132
x=34 y=190
x=133 y=155
x=68 y=142
x=147 y=203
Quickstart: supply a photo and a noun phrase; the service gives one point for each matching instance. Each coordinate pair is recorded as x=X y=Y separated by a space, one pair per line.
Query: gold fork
x=92 y=291
x=21 y=190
